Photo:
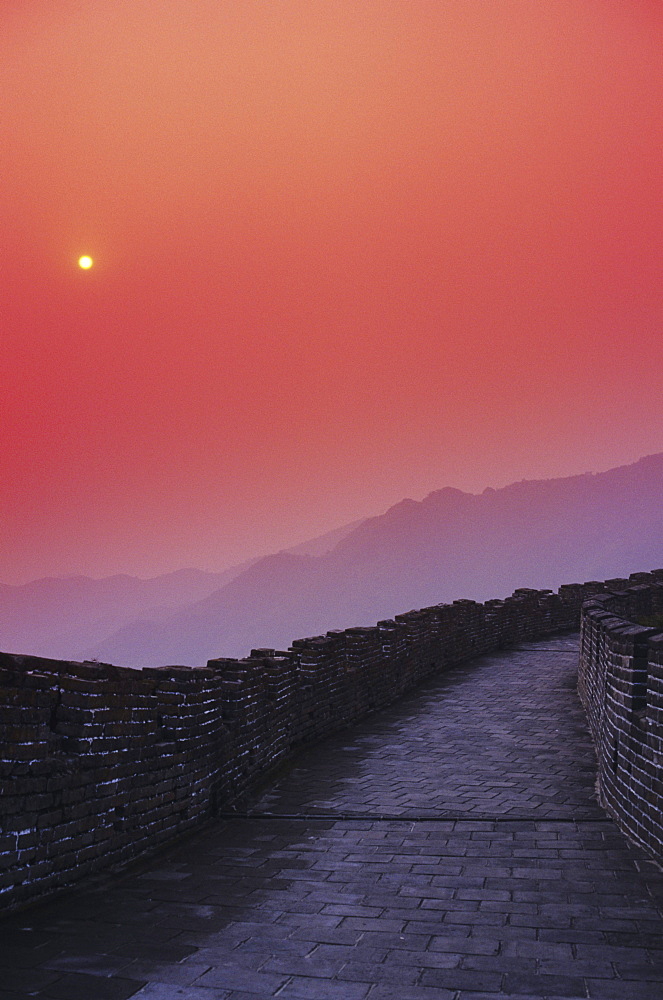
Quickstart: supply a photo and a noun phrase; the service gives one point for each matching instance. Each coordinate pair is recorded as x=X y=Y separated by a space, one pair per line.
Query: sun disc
x=85 y=262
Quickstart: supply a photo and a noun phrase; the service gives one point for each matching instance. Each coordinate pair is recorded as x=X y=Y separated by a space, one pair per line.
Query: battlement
x=620 y=681
x=101 y=764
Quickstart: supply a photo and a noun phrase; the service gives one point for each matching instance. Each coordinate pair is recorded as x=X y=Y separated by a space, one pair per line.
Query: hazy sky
x=345 y=252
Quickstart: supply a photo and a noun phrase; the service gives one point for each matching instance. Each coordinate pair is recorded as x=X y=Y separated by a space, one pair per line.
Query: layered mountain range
x=534 y=533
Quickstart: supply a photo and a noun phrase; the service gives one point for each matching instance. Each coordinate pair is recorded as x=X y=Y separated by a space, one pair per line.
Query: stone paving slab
x=498 y=737
x=464 y=908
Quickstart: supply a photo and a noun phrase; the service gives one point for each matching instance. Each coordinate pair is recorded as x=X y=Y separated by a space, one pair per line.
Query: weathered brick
x=104 y=763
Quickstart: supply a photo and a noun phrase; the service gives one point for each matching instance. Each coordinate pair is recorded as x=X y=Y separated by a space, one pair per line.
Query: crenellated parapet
x=620 y=681
x=101 y=764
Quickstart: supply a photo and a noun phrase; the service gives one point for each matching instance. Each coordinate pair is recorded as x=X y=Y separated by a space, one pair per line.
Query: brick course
x=620 y=682
x=100 y=764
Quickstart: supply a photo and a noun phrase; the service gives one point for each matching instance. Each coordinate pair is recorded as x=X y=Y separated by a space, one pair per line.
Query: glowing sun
x=85 y=262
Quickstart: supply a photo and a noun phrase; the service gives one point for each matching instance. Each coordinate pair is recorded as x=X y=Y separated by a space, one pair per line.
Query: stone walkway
x=447 y=849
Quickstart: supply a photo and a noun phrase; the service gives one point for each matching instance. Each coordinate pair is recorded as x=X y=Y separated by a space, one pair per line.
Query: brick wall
x=620 y=680
x=100 y=764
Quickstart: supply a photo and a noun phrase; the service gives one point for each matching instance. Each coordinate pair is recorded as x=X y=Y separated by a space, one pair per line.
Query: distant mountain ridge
x=63 y=617
x=51 y=616
x=451 y=544
x=537 y=533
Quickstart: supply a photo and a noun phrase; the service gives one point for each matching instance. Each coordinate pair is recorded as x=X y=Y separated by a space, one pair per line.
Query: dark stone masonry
x=448 y=847
x=100 y=764
x=620 y=681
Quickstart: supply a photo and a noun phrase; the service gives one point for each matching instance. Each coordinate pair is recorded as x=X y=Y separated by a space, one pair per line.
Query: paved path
x=451 y=850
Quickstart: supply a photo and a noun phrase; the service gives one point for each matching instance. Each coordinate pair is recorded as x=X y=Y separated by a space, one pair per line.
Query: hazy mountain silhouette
x=323 y=543
x=62 y=616
x=65 y=617
x=452 y=544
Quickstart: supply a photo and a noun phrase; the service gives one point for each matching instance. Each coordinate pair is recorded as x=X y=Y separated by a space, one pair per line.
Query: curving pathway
x=448 y=848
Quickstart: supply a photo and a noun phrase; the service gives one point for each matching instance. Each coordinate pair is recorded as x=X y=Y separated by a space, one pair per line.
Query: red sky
x=344 y=253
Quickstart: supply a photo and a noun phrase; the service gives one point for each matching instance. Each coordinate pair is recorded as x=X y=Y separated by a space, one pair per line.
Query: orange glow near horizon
x=347 y=253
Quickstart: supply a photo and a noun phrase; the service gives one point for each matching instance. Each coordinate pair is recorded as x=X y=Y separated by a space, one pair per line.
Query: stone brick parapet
x=101 y=764
x=620 y=681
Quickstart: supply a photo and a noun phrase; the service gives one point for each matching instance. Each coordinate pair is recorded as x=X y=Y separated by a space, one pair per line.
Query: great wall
x=102 y=764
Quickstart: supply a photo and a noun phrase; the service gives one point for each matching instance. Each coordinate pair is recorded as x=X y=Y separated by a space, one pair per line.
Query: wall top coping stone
x=600 y=607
